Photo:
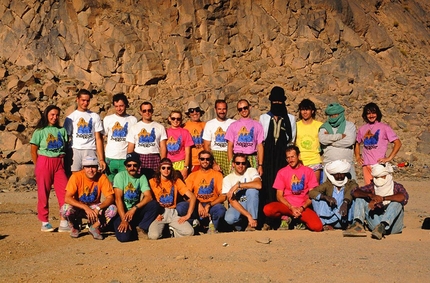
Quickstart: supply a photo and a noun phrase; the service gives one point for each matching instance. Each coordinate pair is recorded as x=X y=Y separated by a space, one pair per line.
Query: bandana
x=338 y=122
x=337 y=166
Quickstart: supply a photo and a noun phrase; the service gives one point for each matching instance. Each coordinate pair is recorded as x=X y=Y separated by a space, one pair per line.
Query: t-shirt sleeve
x=181 y=187
x=188 y=141
x=144 y=185
x=391 y=135
x=35 y=138
x=98 y=125
x=226 y=185
x=279 y=183
x=106 y=186
x=207 y=133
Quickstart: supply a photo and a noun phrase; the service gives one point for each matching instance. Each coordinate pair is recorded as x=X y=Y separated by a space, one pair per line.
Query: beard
x=278 y=109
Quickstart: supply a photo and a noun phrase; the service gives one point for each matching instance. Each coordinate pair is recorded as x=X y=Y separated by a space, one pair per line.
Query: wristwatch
x=98 y=208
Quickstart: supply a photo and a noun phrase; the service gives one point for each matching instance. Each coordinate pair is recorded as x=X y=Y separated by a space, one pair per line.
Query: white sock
x=44 y=223
x=63 y=223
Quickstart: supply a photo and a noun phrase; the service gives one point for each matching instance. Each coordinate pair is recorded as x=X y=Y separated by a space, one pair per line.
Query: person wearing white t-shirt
x=85 y=129
x=116 y=127
x=148 y=139
x=214 y=137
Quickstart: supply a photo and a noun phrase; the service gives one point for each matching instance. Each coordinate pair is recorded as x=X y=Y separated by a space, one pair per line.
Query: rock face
x=168 y=52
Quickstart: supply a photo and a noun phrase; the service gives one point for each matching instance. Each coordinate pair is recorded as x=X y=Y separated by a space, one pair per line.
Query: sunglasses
x=240 y=163
x=147 y=110
x=175 y=118
x=242 y=108
x=166 y=168
x=205 y=159
x=91 y=166
x=132 y=165
x=192 y=110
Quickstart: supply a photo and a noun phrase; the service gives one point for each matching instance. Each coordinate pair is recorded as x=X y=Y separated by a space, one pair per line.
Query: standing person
x=307 y=137
x=48 y=148
x=246 y=136
x=337 y=137
x=206 y=184
x=279 y=131
x=214 y=137
x=375 y=137
x=195 y=126
x=380 y=204
x=84 y=192
x=242 y=187
x=85 y=129
x=293 y=184
x=179 y=144
x=134 y=212
x=116 y=127
x=148 y=139
x=332 y=200
x=166 y=186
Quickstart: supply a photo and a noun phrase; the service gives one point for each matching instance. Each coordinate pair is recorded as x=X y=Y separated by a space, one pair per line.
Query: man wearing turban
x=332 y=200
x=380 y=204
x=337 y=137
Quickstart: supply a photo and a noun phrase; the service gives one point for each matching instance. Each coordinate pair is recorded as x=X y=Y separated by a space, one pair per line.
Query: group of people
x=203 y=177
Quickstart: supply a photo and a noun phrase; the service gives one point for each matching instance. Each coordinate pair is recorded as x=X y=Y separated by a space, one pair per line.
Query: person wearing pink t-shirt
x=375 y=137
x=293 y=184
x=179 y=144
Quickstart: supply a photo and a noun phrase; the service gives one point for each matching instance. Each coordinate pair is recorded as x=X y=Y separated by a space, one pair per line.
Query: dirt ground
x=28 y=255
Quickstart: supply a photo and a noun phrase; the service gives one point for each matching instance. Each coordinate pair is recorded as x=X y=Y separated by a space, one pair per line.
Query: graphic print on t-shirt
x=206 y=190
x=54 y=144
x=245 y=138
x=371 y=140
x=174 y=146
x=197 y=138
x=166 y=199
x=146 y=139
x=119 y=132
x=89 y=196
x=297 y=186
x=220 y=138
x=85 y=129
x=131 y=195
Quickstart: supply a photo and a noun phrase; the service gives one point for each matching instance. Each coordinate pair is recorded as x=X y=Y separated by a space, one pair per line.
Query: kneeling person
x=242 y=189
x=83 y=192
x=332 y=200
x=134 y=213
x=380 y=204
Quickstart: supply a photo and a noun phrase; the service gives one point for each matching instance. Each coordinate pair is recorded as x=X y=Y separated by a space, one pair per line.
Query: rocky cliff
x=349 y=51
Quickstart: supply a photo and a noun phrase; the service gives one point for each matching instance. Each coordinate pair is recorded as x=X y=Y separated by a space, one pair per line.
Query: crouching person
x=83 y=192
x=380 y=204
x=166 y=185
x=332 y=200
x=135 y=213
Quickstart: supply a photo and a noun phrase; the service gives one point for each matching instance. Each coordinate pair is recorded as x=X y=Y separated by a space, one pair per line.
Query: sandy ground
x=28 y=255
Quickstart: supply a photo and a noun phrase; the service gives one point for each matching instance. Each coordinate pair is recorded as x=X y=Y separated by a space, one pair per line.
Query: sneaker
x=379 y=232
x=74 y=233
x=266 y=227
x=285 y=224
x=95 y=232
x=300 y=226
x=172 y=232
x=355 y=230
x=211 y=229
x=196 y=223
x=62 y=229
x=47 y=228
x=249 y=229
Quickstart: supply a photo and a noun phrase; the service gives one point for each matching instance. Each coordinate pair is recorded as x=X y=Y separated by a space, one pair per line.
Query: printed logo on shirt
x=371 y=140
x=146 y=139
x=89 y=196
x=206 y=190
x=119 y=132
x=85 y=130
x=174 y=146
x=54 y=144
x=245 y=138
x=297 y=186
x=220 y=138
x=307 y=142
x=131 y=194
x=197 y=138
x=166 y=199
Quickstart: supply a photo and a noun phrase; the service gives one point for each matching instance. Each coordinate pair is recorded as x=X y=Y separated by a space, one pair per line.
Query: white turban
x=337 y=166
x=383 y=186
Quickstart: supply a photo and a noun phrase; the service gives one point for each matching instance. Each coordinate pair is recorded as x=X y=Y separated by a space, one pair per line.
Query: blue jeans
x=392 y=214
x=331 y=216
x=250 y=204
x=143 y=217
x=216 y=212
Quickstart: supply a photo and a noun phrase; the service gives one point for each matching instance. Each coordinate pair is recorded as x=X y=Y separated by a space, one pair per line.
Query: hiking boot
x=47 y=228
x=285 y=224
x=266 y=227
x=211 y=229
x=249 y=229
x=95 y=232
x=379 y=232
x=356 y=230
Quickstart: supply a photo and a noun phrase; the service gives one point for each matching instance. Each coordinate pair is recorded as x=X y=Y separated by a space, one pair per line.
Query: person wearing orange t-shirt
x=195 y=126
x=166 y=185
